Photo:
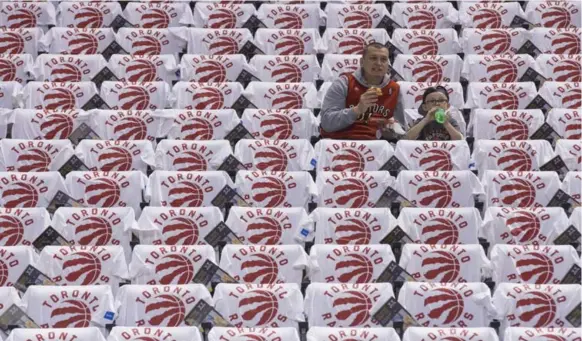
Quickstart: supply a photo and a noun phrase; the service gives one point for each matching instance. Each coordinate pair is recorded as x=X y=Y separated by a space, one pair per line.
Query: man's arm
x=399 y=111
x=334 y=114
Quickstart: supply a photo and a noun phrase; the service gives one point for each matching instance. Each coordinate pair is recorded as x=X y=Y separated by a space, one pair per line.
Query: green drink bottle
x=440 y=116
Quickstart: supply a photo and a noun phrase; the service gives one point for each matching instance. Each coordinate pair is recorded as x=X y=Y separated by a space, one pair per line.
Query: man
x=364 y=104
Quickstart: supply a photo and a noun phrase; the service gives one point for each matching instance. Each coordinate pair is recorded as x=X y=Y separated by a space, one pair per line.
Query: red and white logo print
x=286 y=72
x=287 y=99
x=21 y=18
x=271 y=158
x=57 y=126
x=211 y=71
x=566 y=43
x=512 y=129
x=94 y=231
x=349 y=160
x=71 y=314
x=190 y=160
x=502 y=71
x=436 y=160
x=164 y=310
x=83 y=43
x=174 y=269
x=141 y=70
x=58 y=99
x=270 y=190
x=522 y=193
x=258 y=307
x=440 y=230
x=572 y=99
x=524 y=226
x=134 y=97
x=537 y=308
x=7 y=70
x=155 y=18
x=66 y=73
x=357 y=19
x=115 y=158
x=209 y=98
x=487 y=18
x=264 y=230
x=353 y=231
x=197 y=129
x=535 y=267
x=353 y=307
x=441 y=266
x=445 y=305
x=568 y=71
x=435 y=192
x=422 y=19
x=11 y=43
x=11 y=230
x=222 y=18
x=223 y=46
x=181 y=230
x=352 y=44
x=186 y=194
x=146 y=45
x=88 y=17
x=289 y=45
x=131 y=128
x=514 y=159
x=351 y=193
x=423 y=44
x=277 y=126
x=83 y=267
x=503 y=99
x=260 y=268
x=354 y=267
x=496 y=42
x=104 y=192
x=428 y=71
x=288 y=20
x=20 y=194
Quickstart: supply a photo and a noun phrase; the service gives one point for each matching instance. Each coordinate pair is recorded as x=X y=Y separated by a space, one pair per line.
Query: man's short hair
x=374 y=45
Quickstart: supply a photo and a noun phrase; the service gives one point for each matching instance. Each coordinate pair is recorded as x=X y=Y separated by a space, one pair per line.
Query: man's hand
x=368 y=99
x=430 y=115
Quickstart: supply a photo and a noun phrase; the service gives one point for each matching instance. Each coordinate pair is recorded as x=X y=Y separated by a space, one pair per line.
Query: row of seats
x=284 y=69
x=287 y=155
x=292 y=226
x=291 y=334
x=270 y=95
x=270 y=264
x=292 y=189
x=283 y=305
x=292 y=16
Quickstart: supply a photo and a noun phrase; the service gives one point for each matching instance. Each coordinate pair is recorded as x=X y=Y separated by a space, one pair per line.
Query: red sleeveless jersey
x=366 y=126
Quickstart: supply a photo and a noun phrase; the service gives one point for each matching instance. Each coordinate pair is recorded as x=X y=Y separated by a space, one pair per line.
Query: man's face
x=376 y=61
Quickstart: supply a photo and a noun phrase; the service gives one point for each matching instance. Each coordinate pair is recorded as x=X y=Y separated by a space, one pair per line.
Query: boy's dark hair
x=374 y=45
x=431 y=90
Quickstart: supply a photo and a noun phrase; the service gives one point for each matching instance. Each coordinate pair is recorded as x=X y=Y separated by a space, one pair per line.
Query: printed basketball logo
x=175 y=269
x=65 y=73
x=348 y=160
x=211 y=71
x=11 y=230
x=130 y=128
x=353 y=308
x=186 y=194
x=7 y=70
x=512 y=129
x=208 y=98
x=146 y=338
x=11 y=43
x=165 y=310
x=502 y=71
x=353 y=231
x=258 y=307
x=354 y=268
x=260 y=268
x=524 y=226
x=422 y=19
x=287 y=72
x=83 y=43
x=487 y=18
x=535 y=267
x=249 y=337
x=436 y=160
x=537 y=309
x=566 y=43
x=146 y=45
x=437 y=193
x=155 y=18
x=289 y=45
x=514 y=160
x=351 y=44
x=518 y=192
x=556 y=17
x=287 y=100
x=351 y=193
x=222 y=18
x=265 y=231
x=423 y=45
x=180 y=231
x=440 y=231
x=428 y=71
x=197 y=129
x=271 y=158
x=357 y=19
x=21 y=18
x=20 y=194
x=33 y=160
x=441 y=266
x=573 y=131
x=572 y=99
x=88 y=17
x=71 y=314
x=270 y=191
x=93 y=231
x=190 y=161
x=103 y=192
x=496 y=42
x=134 y=97
x=57 y=126
x=4 y=272
x=115 y=159
x=503 y=99
x=445 y=305
x=288 y=20
x=58 y=99
x=83 y=268
x=277 y=126
x=141 y=70
x=568 y=71
x=223 y=46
